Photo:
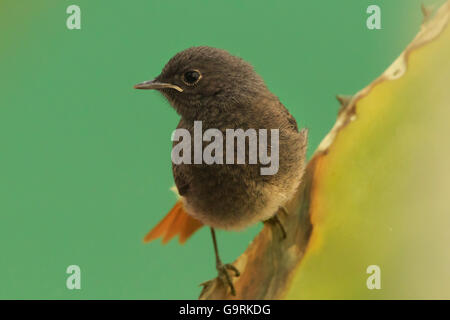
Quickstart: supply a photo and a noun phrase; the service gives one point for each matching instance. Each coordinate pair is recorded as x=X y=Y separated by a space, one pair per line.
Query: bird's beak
x=153 y=84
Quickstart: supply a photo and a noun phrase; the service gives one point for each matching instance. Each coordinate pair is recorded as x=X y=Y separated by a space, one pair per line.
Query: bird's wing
x=290 y=118
x=181 y=180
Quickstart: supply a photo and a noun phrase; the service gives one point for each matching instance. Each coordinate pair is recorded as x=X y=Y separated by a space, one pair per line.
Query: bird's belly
x=235 y=198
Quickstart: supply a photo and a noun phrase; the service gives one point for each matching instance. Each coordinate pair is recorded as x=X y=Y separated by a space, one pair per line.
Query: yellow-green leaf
x=380 y=191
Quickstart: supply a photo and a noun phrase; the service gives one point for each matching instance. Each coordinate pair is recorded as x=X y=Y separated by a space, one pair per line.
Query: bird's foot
x=222 y=269
x=275 y=220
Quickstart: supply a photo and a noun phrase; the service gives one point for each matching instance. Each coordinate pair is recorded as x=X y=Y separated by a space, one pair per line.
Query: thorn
x=284 y=210
x=206 y=286
x=344 y=100
x=426 y=12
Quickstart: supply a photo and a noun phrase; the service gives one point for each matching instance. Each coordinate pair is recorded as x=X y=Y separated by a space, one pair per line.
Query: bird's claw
x=275 y=220
x=231 y=267
x=224 y=275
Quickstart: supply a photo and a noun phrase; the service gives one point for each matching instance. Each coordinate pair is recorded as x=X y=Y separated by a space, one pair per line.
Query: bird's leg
x=276 y=221
x=223 y=268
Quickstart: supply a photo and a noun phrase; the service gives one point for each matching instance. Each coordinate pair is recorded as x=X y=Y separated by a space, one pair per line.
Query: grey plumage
x=231 y=95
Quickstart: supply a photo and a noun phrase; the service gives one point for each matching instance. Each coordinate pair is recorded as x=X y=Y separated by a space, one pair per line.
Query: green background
x=85 y=164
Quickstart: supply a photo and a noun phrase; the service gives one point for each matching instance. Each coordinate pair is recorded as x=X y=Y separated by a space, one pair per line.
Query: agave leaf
x=376 y=192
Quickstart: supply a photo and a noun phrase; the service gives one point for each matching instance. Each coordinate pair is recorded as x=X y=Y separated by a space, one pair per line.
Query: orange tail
x=177 y=221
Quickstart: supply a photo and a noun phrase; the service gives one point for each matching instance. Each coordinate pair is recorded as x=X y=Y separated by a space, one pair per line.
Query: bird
x=224 y=91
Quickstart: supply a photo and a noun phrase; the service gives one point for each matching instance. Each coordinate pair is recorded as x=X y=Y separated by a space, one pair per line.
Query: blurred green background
x=85 y=165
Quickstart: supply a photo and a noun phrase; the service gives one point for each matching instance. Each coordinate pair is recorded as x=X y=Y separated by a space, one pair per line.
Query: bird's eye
x=191 y=77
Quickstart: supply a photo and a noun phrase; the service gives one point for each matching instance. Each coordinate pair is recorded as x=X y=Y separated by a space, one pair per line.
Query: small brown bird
x=224 y=92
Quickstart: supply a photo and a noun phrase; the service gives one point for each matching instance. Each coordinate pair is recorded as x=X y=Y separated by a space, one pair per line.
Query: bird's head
x=199 y=79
